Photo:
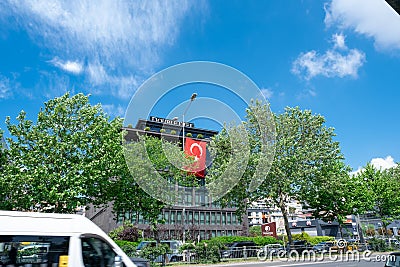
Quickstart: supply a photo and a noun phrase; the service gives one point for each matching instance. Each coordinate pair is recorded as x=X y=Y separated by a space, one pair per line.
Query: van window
x=97 y=253
x=25 y=250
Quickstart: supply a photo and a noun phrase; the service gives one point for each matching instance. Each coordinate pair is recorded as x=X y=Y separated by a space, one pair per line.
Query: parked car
x=172 y=256
x=323 y=246
x=274 y=249
x=240 y=249
x=140 y=262
x=393 y=260
x=299 y=246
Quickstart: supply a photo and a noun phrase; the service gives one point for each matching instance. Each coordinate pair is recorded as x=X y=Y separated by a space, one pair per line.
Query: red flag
x=197 y=149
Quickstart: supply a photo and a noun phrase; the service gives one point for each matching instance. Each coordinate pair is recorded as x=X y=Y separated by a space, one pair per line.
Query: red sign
x=269 y=229
x=197 y=149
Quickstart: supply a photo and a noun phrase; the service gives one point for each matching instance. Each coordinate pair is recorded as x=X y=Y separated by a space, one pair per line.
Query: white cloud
x=267 y=93
x=114 y=39
x=372 y=18
x=386 y=163
x=333 y=63
x=339 y=41
x=379 y=164
x=74 y=67
x=4 y=87
x=113 y=110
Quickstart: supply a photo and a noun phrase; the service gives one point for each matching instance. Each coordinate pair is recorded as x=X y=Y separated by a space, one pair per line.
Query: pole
x=183 y=129
x=192 y=98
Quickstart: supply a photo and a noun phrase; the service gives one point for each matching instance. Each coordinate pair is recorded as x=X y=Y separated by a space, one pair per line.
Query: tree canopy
x=65 y=159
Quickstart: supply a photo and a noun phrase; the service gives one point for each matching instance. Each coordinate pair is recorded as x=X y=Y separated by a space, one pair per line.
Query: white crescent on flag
x=200 y=149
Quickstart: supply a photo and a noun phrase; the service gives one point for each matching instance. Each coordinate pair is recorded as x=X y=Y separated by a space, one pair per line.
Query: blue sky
x=338 y=58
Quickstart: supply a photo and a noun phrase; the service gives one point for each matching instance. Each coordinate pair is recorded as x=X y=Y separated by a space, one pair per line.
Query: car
x=323 y=246
x=393 y=260
x=299 y=246
x=140 y=262
x=393 y=242
x=172 y=256
x=241 y=249
x=274 y=249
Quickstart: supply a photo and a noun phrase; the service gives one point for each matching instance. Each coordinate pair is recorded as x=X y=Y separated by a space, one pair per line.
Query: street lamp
x=192 y=98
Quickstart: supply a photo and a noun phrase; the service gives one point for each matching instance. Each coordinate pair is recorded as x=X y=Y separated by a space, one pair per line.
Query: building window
x=141 y=220
x=213 y=218
x=179 y=217
x=234 y=221
x=166 y=217
x=208 y=218
x=196 y=217
x=172 y=221
x=218 y=218
x=202 y=215
x=190 y=216
x=223 y=217
x=229 y=218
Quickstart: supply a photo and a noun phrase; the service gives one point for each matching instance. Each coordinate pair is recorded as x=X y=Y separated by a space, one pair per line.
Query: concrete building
x=200 y=221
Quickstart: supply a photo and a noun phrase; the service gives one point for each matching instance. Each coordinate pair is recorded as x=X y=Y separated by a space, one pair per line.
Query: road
x=374 y=260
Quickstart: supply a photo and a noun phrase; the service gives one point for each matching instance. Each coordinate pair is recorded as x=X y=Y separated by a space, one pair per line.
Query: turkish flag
x=197 y=149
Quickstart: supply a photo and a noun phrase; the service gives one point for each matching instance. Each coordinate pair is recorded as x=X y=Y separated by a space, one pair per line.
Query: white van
x=48 y=240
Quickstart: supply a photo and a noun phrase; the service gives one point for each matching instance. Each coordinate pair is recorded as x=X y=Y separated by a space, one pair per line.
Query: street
x=373 y=260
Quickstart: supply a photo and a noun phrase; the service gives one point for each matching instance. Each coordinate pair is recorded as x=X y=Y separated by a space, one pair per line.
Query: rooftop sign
x=172 y=122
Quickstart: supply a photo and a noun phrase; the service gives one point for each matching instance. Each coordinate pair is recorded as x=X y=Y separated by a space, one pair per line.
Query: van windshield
x=25 y=250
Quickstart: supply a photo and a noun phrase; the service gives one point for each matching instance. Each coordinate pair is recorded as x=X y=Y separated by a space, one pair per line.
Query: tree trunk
x=282 y=206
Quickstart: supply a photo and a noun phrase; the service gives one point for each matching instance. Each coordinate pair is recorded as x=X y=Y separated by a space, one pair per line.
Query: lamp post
x=192 y=98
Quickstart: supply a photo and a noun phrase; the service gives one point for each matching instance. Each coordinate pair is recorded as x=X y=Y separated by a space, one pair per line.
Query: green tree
x=383 y=187
x=154 y=167
x=66 y=159
x=304 y=149
x=335 y=194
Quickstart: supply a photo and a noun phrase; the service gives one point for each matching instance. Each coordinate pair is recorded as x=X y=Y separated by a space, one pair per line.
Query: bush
x=162 y=131
x=255 y=230
x=128 y=247
x=317 y=239
x=378 y=244
x=152 y=253
x=189 y=135
x=127 y=232
x=173 y=132
x=259 y=240
x=209 y=251
x=266 y=240
x=147 y=128
x=200 y=136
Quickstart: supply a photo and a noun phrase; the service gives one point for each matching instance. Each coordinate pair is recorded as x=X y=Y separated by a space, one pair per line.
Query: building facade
x=204 y=219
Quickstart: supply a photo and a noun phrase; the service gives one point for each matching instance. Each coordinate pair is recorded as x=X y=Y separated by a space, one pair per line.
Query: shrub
x=173 y=132
x=189 y=135
x=152 y=253
x=317 y=239
x=128 y=247
x=127 y=232
x=130 y=126
x=255 y=230
x=200 y=136
x=162 y=131
x=378 y=244
x=147 y=128
x=209 y=251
